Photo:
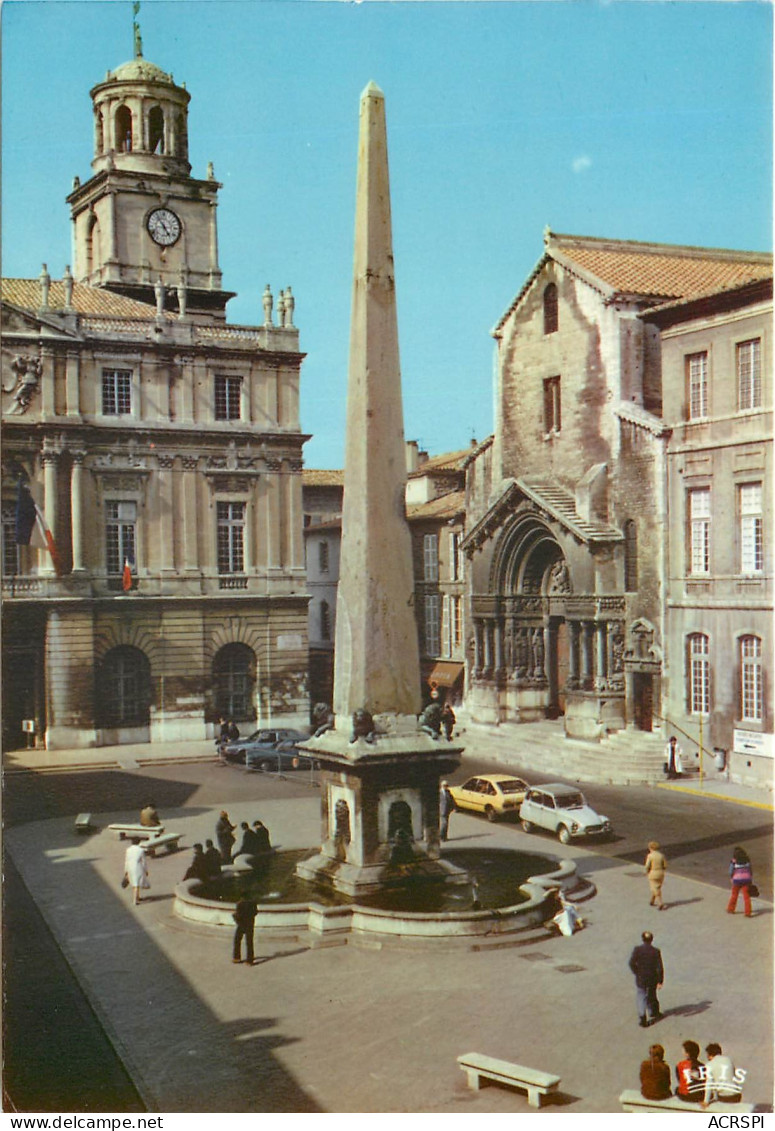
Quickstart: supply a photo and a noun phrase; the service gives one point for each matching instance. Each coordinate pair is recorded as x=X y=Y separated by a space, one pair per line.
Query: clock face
x=163 y=227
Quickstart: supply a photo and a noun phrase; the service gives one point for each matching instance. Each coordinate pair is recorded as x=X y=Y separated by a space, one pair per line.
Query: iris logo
x=720 y=1078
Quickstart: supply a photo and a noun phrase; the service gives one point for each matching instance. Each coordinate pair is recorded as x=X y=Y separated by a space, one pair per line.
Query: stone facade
x=163 y=446
x=566 y=511
x=717 y=376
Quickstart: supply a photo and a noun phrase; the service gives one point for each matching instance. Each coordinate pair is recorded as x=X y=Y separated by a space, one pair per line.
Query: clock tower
x=141 y=217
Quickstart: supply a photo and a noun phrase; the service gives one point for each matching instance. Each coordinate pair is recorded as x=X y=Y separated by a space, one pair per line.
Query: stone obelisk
x=379 y=772
x=377 y=664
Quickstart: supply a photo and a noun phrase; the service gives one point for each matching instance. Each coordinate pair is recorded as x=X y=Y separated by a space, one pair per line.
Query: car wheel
x=265 y=767
x=563 y=835
x=527 y=826
x=490 y=813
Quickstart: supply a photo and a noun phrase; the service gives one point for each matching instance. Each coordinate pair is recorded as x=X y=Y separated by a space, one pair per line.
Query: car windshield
x=570 y=800
x=513 y=786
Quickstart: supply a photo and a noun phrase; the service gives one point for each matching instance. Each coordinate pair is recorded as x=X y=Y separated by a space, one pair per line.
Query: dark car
x=260 y=741
x=280 y=757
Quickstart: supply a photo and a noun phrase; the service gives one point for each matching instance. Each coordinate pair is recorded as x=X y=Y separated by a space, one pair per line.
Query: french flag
x=32 y=528
x=126 y=580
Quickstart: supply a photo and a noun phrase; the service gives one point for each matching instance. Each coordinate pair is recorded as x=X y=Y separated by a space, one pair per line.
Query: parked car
x=562 y=809
x=495 y=795
x=281 y=756
x=259 y=740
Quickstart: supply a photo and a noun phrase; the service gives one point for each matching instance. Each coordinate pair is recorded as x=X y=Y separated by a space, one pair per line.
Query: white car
x=562 y=809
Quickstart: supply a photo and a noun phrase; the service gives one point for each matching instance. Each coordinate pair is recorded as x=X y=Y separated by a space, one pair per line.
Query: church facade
x=568 y=518
x=163 y=447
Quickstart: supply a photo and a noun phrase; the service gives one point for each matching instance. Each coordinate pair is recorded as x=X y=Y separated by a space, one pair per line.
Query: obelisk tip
x=372 y=91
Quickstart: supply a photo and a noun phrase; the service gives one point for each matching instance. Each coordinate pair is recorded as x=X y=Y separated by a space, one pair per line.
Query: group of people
x=255 y=841
x=228 y=731
x=206 y=863
x=718 y=1081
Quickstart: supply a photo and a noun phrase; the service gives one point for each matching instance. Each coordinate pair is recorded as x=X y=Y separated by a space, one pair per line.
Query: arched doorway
x=234 y=679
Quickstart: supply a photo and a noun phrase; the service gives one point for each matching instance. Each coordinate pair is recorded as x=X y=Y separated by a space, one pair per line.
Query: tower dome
x=140 y=120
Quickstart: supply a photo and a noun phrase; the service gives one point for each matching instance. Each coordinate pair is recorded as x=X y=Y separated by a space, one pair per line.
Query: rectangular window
x=456 y=614
x=432 y=626
x=751 y=672
x=749 y=374
x=228 y=392
x=323 y=556
x=455 y=557
x=430 y=547
x=552 y=417
x=446 y=625
x=120 y=533
x=751 y=528
x=10 y=549
x=699 y=530
x=699 y=671
x=116 y=392
x=231 y=537
x=697 y=371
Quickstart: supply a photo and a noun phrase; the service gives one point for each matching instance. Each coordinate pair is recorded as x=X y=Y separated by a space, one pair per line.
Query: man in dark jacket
x=646 y=965
x=244 y=916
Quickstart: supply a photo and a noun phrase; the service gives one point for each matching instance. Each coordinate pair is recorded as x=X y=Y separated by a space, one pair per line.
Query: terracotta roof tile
x=86 y=299
x=662 y=269
x=445 y=506
x=447 y=461
x=315 y=477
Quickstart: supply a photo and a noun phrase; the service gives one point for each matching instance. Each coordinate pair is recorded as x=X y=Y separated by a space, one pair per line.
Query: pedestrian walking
x=741 y=875
x=446 y=807
x=690 y=1074
x=673 y=758
x=136 y=868
x=245 y=917
x=646 y=965
x=448 y=720
x=655 y=1075
x=656 y=866
x=224 y=834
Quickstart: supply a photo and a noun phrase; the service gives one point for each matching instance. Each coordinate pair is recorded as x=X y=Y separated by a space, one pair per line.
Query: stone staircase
x=628 y=757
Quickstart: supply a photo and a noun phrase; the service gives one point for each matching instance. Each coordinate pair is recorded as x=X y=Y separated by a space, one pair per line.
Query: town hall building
x=163 y=447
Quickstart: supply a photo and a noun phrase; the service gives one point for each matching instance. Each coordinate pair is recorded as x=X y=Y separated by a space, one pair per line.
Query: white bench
x=143 y=831
x=83 y=823
x=537 y=1084
x=166 y=840
x=634 y=1101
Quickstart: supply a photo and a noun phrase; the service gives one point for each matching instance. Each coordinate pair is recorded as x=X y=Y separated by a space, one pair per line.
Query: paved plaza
x=368 y=1029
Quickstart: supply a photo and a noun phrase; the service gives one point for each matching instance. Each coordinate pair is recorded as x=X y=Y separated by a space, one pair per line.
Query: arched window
x=751 y=696
x=156 y=130
x=181 y=140
x=124 y=129
x=399 y=819
x=551 y=312
x=234 y=676
x=124 y=688
x=698 y=670
x=325 y=620
x=630 y=556
x=92 y=243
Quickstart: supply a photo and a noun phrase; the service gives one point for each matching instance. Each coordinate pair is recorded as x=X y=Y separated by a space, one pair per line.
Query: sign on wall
x=753 y=742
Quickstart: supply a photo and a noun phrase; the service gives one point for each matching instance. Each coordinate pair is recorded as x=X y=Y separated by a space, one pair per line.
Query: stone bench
x=83 y=823
x=535 y=1083
x=166 y=840
x=143 y=831
x=632 y=1100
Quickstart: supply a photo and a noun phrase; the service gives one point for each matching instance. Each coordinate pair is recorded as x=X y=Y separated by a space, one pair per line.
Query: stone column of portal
x=76 y=509
x=478 y=647
x=377 y=664
x=50 y=460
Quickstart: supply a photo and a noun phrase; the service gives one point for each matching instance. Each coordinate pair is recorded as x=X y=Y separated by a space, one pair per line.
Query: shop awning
x=444 y=673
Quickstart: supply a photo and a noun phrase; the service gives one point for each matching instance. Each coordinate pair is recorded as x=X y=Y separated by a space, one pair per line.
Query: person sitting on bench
x=197 y=869
x=655 y=1075
x=212 y=859
x=148 y=816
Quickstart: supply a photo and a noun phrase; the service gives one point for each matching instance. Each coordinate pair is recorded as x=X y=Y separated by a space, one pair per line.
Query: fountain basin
x=313 y=921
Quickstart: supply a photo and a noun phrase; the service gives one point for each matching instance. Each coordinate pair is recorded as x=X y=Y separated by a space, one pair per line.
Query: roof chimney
x=411 y=456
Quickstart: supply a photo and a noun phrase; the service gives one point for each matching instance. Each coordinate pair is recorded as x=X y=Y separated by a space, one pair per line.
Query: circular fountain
x=505 y=893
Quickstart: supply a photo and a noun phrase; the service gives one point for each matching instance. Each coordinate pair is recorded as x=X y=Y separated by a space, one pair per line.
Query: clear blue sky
x=634 y=120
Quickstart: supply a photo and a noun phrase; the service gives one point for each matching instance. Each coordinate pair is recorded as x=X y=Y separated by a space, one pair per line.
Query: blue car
x=260 y=742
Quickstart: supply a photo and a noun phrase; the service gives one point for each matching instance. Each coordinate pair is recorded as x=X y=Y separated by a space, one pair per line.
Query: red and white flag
x=127 y=578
